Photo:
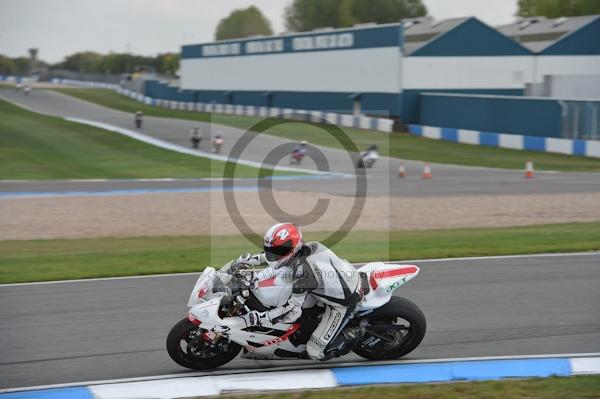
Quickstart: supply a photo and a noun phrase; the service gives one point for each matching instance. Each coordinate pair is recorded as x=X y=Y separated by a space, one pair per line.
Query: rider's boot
x=344 y=342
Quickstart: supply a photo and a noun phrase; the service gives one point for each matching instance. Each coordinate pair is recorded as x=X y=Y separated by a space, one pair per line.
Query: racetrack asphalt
x=116 y=328
x=449 y=180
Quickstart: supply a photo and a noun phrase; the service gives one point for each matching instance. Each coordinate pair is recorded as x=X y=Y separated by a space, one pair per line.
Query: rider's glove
x=253 y=318
x=250 y=260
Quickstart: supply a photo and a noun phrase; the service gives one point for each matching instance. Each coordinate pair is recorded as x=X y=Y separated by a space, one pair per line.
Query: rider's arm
x=304 y=282
x=245 y=260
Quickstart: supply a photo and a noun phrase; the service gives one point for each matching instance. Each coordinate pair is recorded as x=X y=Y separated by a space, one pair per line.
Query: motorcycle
x=217 y=144
x=138 y=121
x=213 y=334
x=367 y=159
x=297 y=156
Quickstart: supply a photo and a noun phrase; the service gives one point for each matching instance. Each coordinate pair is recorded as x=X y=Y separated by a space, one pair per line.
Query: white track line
x=84 y=280
x=188 y=151
x=295 y=368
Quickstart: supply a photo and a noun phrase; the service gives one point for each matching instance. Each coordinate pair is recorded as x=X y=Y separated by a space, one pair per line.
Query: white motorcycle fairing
x=383 y=279
x=272 y=289
x=206 y=314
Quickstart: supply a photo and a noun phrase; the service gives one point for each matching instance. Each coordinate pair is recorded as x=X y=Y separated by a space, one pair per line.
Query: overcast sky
x=148 y=27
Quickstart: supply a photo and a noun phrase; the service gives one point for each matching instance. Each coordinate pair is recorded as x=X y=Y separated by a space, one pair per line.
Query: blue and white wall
x=326 y=70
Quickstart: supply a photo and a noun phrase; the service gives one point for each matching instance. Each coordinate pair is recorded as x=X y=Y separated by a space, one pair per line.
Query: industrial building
x=386 y=70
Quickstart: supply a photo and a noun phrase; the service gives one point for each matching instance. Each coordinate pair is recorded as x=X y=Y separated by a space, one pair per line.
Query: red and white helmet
x=282 y=241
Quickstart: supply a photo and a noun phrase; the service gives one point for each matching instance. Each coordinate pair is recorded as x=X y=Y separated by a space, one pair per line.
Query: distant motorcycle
x=368 y=158
x=297 y=157
x=213 y=334
x=217 y=144
x=138 y=119
x=196 y=138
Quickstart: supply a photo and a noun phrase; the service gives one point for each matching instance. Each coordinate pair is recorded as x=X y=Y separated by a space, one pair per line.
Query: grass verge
x=581 y=387
x=35 y=146
x=402 y=146
x=44 y=260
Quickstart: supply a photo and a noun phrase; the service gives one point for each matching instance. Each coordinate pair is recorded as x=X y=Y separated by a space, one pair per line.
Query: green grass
x=401 y=146
x=35 y=146
x=579 y=387
x=43 y=260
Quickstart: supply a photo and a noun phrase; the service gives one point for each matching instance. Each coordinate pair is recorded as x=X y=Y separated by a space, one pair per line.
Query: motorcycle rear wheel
x=399 y=326
x=185 y=336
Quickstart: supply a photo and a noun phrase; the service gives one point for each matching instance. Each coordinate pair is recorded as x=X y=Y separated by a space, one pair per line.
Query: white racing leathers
x=334 y=282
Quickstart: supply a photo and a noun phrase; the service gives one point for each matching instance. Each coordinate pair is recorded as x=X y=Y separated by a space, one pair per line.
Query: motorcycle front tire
x=181 y=329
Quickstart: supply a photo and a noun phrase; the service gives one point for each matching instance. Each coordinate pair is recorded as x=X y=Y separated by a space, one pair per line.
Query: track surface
x=448 y=179
x=104 y=329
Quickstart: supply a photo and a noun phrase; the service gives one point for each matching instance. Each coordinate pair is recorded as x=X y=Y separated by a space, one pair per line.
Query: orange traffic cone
x=427 y=172
x=401 y=170
x=529 y=170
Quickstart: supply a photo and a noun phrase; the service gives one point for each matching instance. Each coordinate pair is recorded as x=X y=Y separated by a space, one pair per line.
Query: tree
x=168 y=63
x=385 y=11
x=303 y=15
x=21 y=65
x=86 y=61
x=7 y=66
x=243 y=23
x=558 y=8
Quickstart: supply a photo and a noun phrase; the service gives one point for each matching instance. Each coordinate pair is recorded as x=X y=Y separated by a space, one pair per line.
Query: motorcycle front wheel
x=188 y=348
x=394 y=330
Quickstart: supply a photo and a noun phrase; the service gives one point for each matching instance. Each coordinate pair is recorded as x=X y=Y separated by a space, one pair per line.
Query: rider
x=217 y=142
x=196 y=136
x=315 y=270
x=301 y=148
x=139 y=116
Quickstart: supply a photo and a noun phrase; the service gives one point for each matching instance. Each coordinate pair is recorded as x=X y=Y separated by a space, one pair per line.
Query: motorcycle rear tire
x=407 y=310
x=184 y=327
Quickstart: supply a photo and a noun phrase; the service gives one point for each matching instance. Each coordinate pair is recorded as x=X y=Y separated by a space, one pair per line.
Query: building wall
x=325 y=70
x=329 y=70
x=565 y=65
x=498 y=114
x=430 y=73
x=354 y=70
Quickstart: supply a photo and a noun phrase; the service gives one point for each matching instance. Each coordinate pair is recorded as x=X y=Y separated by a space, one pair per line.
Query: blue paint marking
x=417 y=130
x=450 y=134
x=21 y=194
x=59 y=393
x=534 y=143
x=579 y=147
x=451 y=371
x=489 y=139
x=88 y=193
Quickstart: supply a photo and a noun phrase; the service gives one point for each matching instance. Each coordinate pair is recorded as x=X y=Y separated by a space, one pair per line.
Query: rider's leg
x=330 y=338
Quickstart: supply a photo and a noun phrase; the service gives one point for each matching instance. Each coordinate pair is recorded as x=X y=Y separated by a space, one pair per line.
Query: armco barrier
x=358 y=122
x=417 y=372
x=588 y=148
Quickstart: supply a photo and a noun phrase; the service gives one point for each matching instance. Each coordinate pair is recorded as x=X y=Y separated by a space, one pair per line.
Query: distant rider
x=218 y=142
x=196 y=137
x=315 y=270
x=139 y=117
x=368 y=158
x=299 y=152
